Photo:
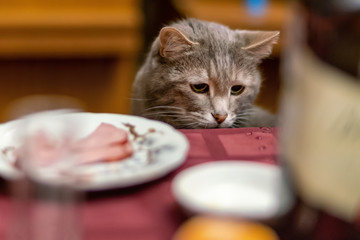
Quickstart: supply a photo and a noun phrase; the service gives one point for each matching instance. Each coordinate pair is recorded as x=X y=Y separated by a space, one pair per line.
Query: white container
x=241 y=189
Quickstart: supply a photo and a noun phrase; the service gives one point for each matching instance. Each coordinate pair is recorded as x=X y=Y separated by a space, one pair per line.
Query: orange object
x=216 y=228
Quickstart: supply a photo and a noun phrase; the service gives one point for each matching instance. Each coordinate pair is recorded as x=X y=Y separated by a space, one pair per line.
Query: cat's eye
x=237 y=89
x=200 y=88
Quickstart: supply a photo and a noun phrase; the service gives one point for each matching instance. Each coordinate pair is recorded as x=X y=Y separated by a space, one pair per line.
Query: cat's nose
x=219 y=118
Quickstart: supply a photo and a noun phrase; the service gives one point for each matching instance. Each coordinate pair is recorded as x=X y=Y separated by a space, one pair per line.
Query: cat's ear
x=259 y=43
x=173 y=42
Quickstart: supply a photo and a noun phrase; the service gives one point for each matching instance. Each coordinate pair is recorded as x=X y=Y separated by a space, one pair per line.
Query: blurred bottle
x=45 y=202
x=320 y=116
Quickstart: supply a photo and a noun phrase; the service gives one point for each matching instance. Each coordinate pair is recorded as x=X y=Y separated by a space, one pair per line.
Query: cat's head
x=205 y=75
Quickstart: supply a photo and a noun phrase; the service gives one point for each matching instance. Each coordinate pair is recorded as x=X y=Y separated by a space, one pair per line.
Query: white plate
x=236 y=188
x=167 y=147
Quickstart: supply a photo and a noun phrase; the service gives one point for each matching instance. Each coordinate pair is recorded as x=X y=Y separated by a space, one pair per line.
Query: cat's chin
x=223 y=126
x=198 y=125
x=215 y=125
x=205 y=126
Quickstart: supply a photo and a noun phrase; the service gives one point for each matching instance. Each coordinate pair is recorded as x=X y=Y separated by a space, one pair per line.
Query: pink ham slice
x=106 y=143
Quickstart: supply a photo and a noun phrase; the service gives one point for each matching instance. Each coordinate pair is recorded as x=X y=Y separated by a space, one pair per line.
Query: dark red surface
x=149 y=211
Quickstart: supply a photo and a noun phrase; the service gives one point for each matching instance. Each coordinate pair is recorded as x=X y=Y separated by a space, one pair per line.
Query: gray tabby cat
x=202 y=74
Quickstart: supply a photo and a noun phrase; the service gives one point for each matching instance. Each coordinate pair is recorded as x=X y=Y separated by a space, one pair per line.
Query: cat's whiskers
x=190 y=125
x=243 y=117
x=199 y=115
x=246 y=112
x=176 y=114
x=163 y=107
x=202 y=121
x=193 y=122
x=188 y=120
x=139 y=99
x=167 y=110
x=168 y=114
x=159 y=115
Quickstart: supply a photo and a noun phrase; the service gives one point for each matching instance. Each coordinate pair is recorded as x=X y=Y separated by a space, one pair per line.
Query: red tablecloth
x=149 y=211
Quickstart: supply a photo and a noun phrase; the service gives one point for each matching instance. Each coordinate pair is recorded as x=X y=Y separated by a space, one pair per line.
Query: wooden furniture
x=86 y=49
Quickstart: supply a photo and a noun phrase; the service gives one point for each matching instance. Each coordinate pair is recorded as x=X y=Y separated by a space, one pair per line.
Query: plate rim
x=112 y=183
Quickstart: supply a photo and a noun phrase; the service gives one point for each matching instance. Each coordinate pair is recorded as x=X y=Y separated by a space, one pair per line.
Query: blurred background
x=85 y=53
